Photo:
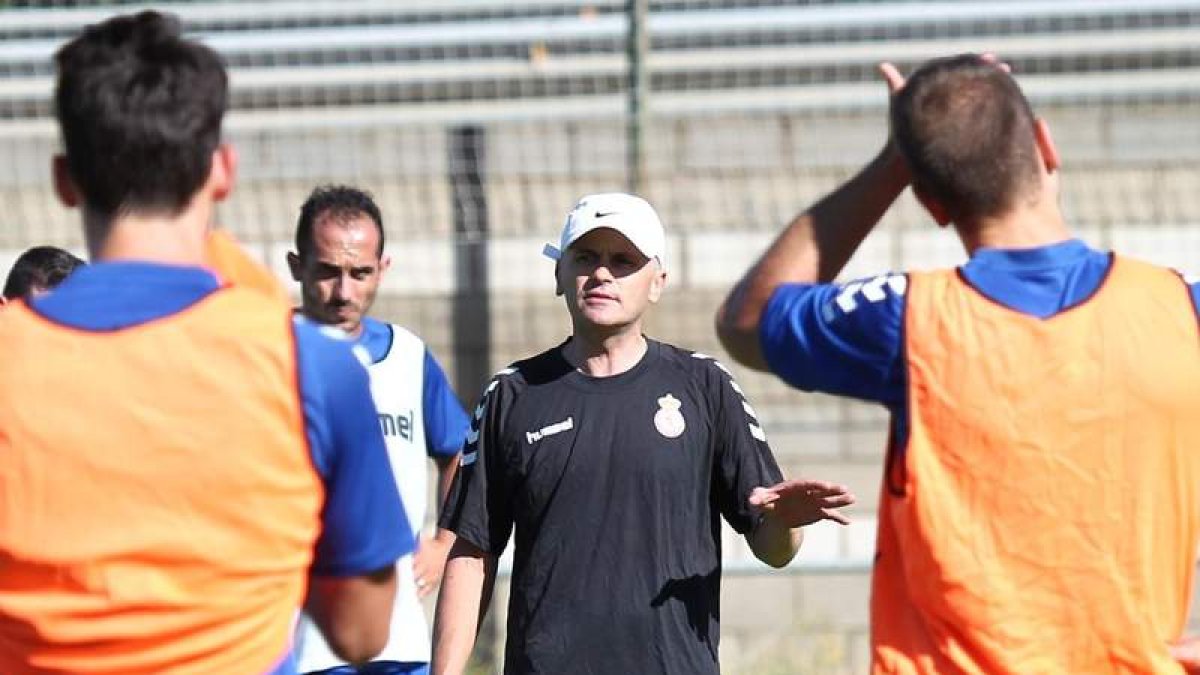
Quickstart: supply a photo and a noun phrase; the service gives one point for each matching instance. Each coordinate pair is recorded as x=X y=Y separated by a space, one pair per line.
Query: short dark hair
x=140 y=110
x=967 y=133
x=41 y=267
x=341 y=202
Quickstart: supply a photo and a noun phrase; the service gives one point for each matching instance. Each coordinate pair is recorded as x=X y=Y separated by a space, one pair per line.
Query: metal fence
x=477 y=123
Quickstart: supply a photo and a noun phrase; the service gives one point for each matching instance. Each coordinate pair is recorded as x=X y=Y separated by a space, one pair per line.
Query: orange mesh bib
x=1048 y=499
x=234 y=266
x=159 y=504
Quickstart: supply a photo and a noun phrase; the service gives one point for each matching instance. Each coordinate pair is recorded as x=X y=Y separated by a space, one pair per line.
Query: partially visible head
x=39 y=270
x=339 y=258
x=611 y=261
x=140 y=112
x=969 y=137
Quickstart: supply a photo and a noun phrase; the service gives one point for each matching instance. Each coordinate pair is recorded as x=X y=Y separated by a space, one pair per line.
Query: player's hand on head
x=799 y=502
x=891 y=76
x=895 y=80
x=988 y=57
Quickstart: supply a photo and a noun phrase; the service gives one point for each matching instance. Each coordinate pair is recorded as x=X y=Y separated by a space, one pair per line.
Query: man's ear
x=658 y=283
x=933 y=206
x=64 y=185
x=295 y=267
x=558 y=285
x=1045 y=145
x=223 y=171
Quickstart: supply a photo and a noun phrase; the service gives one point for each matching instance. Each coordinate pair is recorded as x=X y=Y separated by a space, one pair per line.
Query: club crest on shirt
x=668 y=420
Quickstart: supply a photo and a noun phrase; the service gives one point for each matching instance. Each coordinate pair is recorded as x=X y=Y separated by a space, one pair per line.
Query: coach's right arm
x=466 y=593
x=364 y=528
x=478 y=510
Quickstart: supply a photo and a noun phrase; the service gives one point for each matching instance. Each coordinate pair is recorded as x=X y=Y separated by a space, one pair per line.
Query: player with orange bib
x=234 y=266
x=1040 y=511
x=182 y=464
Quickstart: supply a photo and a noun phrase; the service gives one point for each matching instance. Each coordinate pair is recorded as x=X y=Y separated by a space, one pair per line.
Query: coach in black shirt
x=611 y=459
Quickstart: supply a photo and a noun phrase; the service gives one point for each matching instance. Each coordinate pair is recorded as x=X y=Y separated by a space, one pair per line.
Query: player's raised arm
x=814 y=247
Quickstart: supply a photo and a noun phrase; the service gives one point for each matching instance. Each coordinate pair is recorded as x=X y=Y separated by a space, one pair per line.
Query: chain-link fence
x=477 y=124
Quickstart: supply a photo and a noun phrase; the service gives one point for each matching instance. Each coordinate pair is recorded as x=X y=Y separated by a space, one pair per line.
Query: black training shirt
x=614 y=487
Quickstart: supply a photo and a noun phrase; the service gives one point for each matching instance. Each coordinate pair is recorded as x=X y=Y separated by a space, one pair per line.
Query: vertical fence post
x=472 y=335
x=639 y=90
x=471 y=313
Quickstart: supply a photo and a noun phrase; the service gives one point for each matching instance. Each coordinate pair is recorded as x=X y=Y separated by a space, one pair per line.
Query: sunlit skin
x=608 y=284
x=340 y=276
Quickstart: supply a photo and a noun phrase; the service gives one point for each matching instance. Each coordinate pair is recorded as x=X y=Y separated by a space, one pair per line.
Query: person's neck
x=1031 y=226
x=176 y=239
x=355 y=333
x=605 y=355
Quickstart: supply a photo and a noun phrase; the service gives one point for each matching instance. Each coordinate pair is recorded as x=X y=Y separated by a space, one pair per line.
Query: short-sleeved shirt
x=442 y=415
x=363 y=526
x=613 y=489
x=420 y=418
x=848 y=339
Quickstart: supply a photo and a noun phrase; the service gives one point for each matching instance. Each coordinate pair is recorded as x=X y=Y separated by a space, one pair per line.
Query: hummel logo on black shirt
x=550 y=430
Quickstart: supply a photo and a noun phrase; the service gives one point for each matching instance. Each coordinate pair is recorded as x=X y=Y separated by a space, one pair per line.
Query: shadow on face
x=340 y=276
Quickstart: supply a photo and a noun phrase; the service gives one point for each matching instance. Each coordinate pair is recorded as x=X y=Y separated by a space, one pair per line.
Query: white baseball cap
x=632 y=216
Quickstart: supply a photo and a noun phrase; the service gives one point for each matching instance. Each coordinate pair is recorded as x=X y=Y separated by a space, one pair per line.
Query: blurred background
x=477 y=124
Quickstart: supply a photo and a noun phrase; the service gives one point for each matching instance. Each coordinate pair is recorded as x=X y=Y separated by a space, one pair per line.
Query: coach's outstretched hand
x=799 y=502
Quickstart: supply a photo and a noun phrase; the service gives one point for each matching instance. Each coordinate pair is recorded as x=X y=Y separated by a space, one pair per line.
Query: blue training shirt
x=364 y=528
x=848 y=339
x=446 y=423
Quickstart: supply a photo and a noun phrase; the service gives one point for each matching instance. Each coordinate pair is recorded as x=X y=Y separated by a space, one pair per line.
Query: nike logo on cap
x=602 y=214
